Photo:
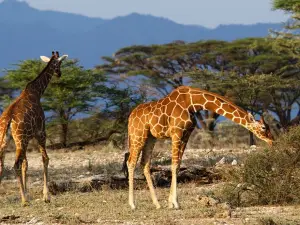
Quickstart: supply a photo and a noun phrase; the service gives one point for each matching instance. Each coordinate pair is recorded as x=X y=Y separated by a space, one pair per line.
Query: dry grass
x=110 y=206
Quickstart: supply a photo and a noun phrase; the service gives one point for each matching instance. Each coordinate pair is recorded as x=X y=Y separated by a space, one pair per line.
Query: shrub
x=269 y=177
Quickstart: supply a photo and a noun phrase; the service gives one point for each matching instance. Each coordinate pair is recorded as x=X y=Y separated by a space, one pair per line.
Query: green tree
x=216 y=66
x=289 y=41
x=72 y=94
x=292 y=7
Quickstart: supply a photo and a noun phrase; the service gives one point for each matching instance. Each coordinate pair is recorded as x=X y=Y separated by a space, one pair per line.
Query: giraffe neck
x=40 y=83
x=203 y=100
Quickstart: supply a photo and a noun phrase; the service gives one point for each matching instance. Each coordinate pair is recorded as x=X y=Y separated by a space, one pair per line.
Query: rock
x=206 y=201
x=234 y=162
x=221 y=161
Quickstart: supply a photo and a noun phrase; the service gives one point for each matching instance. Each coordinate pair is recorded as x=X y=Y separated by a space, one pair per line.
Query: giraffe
x=27 y=121
x=172 y=117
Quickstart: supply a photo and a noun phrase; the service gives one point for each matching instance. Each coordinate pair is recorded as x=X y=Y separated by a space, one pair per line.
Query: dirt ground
x=108 y=206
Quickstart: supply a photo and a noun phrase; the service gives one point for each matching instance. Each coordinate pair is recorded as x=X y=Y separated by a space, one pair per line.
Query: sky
x=208 y=13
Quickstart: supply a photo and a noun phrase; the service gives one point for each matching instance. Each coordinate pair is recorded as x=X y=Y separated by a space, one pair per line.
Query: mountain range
x=26 y=32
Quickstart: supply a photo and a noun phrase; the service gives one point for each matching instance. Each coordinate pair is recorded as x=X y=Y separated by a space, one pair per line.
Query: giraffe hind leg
x=2 y=155
x=146 y=163
x=178 y=147
x=20 y=157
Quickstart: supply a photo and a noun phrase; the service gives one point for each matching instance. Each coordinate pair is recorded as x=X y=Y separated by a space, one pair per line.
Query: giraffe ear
x=62 y=57
x=45 y=59
x=251 y=117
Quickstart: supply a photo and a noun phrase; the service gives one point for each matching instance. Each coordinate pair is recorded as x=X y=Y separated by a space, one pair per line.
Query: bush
x=269 y=177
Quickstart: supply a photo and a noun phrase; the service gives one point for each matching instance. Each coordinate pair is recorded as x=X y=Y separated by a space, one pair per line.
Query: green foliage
x=292 y=6
x=252 y=73
x=271 y=176
x=289 y=41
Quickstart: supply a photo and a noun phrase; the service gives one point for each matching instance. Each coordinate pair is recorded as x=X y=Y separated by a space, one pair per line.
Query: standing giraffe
x=27 y=120
x=172 y=117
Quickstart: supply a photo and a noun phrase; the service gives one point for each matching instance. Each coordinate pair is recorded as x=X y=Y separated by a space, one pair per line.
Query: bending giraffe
x=172 y=117
x=27 y=121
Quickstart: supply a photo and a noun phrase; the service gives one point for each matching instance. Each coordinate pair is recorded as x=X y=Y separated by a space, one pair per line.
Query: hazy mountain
x=26 y=32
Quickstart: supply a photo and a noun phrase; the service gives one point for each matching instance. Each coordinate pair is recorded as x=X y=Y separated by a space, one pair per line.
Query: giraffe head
x=55 y=62
x=260 y=128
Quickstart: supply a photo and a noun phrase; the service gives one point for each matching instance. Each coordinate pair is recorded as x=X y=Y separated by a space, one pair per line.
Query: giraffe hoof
x=25 y=203
x=46 y=199
x=132 y=206
x=158 y=206
x=173 y=205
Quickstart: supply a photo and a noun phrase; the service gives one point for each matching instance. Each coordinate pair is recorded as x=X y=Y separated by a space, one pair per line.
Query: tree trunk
x=251 y=140
x=64 y=128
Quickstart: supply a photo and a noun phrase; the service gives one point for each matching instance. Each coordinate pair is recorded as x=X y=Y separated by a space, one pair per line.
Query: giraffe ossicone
x=27 y=121
x=173 y=117
x=47 y=59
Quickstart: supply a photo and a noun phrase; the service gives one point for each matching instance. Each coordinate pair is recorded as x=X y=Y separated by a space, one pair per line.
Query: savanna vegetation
x=89 y=106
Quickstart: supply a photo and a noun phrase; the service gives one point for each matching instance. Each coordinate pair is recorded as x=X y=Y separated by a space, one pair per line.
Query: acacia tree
x=72 y=94
x=168 y=66
x=163 y=66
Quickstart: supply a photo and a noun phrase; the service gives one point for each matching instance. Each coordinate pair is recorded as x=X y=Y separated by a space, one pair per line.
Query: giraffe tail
x=5 y=120
x=126 y=158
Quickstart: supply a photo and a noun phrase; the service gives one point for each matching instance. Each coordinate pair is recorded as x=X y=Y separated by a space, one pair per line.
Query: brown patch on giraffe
x=183 y=100
x=185 y=115
x=218 y=102
x=209 y=97
x=243 y=122
x=173 y=96
x=170 y=107
x=139 y=112
x=188 y=123
x=229 y=116
x=227 y=108
x=211 y=106
x=165 y=101
x=154 y=120
x=157 y=128
x=237 y=120
x=179 y=122
x=220 y=111
x=198 y=99
x=183 y=90
x=163 y=120
x=157 y=112
x=236 y=113
x=176 y=111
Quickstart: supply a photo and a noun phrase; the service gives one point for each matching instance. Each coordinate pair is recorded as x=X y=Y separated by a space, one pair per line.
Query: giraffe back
x=162 y=117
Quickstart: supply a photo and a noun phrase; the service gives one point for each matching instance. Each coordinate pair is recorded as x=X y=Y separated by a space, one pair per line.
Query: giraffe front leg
x=131 y=167
x=146 y=161
x=131 y=164
x=46 y=195
x=1 y=163
x=173 y=200
x=24 y=174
